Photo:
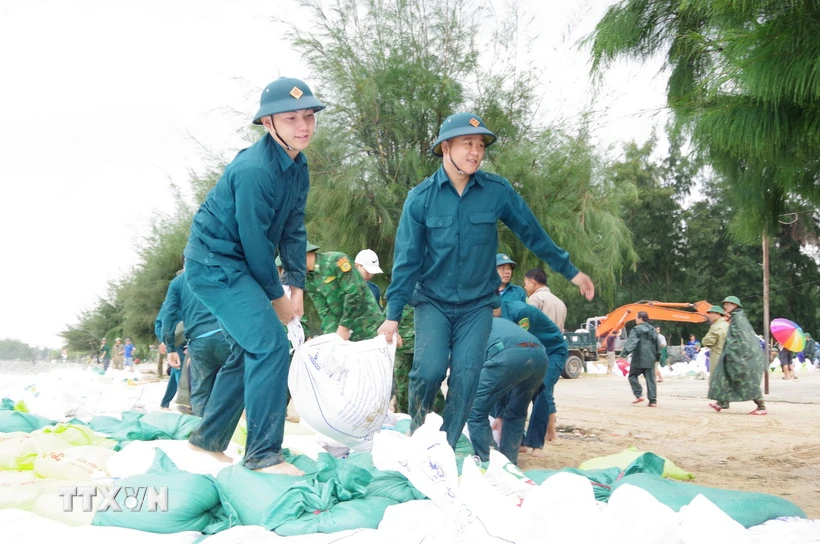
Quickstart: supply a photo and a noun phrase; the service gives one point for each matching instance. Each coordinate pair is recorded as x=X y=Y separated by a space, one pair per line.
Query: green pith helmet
x=716 y=310
x=502 y=259
x=733 y=300
x=286 y=94
x=310 y=247
x=462 y=124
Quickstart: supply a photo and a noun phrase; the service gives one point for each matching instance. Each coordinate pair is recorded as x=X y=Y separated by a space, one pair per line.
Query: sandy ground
x=778 y=453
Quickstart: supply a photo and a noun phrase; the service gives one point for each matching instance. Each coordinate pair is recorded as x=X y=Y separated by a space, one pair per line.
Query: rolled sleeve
x=520 y=219
x=254 y=217
x=407 y=262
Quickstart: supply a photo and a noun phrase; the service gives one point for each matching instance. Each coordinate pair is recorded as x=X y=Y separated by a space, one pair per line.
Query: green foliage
x=744 y=84
x=391 y=71
x=12 y=349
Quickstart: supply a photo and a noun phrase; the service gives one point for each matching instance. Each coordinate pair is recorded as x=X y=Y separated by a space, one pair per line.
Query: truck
x=586 y=343
x=582 y=349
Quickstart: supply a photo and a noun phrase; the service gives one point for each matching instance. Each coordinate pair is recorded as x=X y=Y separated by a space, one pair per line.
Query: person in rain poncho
x=736 y=376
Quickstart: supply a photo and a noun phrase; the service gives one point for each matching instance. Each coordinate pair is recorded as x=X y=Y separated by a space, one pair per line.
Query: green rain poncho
x=736 y=376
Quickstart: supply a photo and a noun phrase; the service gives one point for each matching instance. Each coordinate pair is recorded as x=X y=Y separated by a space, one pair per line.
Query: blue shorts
x=129 y=361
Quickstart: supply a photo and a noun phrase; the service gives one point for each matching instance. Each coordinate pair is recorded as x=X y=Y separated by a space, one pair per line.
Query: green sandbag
x=193 y=502
x=623 y=459
x=165 y=426
x=8 y=404
x=348 y=480
x=152 y=426
x=602 y=479
x=386 y=483
x=364 y=513
x=748 y=509
x=11 y=421
x=246 y=494
x=333 y=502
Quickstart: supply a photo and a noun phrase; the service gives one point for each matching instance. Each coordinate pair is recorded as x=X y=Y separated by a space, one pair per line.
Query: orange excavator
x=686 y=312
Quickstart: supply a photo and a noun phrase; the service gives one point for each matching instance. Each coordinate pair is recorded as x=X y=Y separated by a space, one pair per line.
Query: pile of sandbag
x=83 y=394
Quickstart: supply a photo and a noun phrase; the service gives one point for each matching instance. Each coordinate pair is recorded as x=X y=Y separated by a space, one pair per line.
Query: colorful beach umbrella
x=789 y=334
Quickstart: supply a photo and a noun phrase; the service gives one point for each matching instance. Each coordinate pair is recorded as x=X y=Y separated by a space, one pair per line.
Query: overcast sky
x=101 y=104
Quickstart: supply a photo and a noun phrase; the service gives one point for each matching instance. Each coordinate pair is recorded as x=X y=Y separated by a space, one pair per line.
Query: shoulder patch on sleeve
x=525 y=323
x=344 y=264
x=330 y=279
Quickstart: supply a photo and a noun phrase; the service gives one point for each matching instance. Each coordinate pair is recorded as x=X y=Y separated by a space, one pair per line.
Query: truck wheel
x=573 y=368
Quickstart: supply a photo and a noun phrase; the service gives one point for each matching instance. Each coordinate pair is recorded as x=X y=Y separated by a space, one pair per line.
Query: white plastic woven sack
x=342 y=389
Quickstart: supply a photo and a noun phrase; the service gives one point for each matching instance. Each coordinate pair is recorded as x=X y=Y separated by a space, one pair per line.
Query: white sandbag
x=19 y=489
x=80 y=463
x=138 y=456
x=787 y=531
x=484 y=515
x=412 y=521
x=426 y=459
x=50 y=504
x=22 y=526
x=507 y=480
x=569 y=498
x=342 y=389
x=634 y=516
x=702 y=522
x=15 y=447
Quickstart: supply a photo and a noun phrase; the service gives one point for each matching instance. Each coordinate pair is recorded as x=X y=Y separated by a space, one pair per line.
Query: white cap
x=369 y=260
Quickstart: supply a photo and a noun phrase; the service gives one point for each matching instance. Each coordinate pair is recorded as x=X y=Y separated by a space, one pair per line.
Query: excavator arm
x=660 y=311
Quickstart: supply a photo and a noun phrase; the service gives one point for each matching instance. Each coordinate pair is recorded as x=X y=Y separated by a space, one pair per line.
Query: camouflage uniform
x=404 y=364
x=342 y=297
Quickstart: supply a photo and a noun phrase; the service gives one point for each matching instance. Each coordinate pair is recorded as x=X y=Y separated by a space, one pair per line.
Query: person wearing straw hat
x=256 y=208
x=736 y=376
x=443 y=266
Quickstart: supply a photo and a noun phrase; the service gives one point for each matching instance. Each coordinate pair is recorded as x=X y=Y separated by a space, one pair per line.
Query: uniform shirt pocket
x=440 y=230
x=483 y=228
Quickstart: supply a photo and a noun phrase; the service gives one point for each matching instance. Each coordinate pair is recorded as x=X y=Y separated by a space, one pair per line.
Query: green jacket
x=644 y=346
x=342 y=297
x=715 y=339
x=809 y=349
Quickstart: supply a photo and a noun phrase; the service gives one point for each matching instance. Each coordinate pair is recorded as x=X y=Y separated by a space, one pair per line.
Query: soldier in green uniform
x=341 y=296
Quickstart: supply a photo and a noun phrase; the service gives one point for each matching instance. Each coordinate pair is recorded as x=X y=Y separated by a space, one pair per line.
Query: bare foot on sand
x=282 y=468
x=523 y=449
x=218 y=455
x=538 y=453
